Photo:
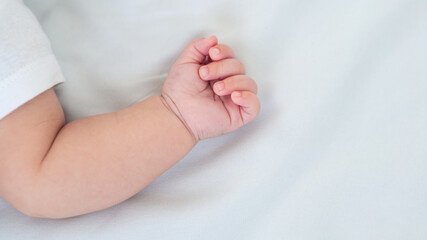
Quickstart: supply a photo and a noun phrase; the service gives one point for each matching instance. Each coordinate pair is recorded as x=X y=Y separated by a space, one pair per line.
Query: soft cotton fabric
x=27 y=65
x=338 y=151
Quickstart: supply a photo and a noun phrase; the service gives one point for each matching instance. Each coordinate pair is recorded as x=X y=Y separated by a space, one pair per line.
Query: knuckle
x=240 y=66
x=248 y=83
x=225 y=47
x=255 y=86
x=228 y=50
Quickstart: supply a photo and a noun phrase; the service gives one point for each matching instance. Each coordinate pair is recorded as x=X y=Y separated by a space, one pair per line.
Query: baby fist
x=208 y=90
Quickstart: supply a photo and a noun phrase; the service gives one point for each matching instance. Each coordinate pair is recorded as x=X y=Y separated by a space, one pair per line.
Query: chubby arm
x=56 y=171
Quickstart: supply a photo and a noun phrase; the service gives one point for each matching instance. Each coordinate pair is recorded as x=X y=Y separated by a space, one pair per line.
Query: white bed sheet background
x=339 y=150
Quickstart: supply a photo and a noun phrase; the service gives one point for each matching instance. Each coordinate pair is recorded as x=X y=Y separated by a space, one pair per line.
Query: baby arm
x=56 y=171
x=89 y=164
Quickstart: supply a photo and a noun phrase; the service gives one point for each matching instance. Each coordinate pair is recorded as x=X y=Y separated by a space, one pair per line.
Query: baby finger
x=235 y=83
x=249 y=104
x=220 y=51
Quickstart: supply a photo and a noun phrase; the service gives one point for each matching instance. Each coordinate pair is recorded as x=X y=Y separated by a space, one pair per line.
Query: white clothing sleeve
x=27 y=64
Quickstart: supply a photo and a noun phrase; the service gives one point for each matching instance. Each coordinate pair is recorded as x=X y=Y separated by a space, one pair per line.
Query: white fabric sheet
x=339 y=150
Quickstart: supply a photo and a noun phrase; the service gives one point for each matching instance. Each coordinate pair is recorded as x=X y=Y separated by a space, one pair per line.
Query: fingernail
x=215 y=50
x=219 y=86
x=204 y=71
x=237 y=94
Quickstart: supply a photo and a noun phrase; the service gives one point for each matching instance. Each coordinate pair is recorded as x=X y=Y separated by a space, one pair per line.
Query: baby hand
x=208 y=90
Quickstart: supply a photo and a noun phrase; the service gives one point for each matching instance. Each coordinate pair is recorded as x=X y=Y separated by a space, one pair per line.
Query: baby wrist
x=170 y=106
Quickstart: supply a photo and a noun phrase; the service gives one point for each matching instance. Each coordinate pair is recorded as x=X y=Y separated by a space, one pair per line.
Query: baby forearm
x=102 y=160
